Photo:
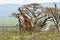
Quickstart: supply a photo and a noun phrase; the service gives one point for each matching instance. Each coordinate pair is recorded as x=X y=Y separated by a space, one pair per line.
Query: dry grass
x=14 y=35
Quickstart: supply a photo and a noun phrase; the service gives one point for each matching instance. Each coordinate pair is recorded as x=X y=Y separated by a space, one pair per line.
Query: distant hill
x=8 y=21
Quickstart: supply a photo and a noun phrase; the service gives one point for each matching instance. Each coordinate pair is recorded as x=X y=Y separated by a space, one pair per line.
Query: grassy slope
x=11 y=23
x=8 y=22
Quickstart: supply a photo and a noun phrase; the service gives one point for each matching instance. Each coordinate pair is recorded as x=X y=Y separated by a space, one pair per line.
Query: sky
x=9 y=6
x=25 y=1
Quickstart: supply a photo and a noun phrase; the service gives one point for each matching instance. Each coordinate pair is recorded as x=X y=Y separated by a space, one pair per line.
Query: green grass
x=9 y=31
x=15 y=35
x=11 y=23
x=8 y=21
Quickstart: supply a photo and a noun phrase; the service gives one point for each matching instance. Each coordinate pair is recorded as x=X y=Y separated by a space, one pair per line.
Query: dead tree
x=55 y=15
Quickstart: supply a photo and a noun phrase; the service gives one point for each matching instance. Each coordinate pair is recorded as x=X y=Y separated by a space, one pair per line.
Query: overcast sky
x=25 y=1
x=6 y=7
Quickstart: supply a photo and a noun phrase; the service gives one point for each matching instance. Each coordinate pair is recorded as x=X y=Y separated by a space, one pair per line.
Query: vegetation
x=30 y=28
x=14 y=35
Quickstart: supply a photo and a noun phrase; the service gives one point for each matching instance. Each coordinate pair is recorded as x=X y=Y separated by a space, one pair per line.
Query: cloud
x=25 y=1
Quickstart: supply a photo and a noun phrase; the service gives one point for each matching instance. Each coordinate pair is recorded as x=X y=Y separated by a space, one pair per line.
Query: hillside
x=8 y=22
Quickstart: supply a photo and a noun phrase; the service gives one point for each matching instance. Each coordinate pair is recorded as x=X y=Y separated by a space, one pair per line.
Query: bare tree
x=54 y=15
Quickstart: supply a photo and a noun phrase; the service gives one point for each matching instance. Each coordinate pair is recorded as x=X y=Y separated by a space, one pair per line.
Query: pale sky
x=11 y=6
x=25 y=1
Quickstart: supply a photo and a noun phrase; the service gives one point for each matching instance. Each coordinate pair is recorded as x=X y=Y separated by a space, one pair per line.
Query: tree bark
x=19 y=25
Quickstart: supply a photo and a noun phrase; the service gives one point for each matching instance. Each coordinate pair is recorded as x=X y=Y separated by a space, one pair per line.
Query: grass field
x=11 y=22
x=10 y=31
x=8 y=23
x=14 y=35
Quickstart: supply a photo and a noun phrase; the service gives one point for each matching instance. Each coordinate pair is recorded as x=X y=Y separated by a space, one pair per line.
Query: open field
x=9 y=31
x=29 y=20
x=11 y=22
x=14 y=35
x=8 y=23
